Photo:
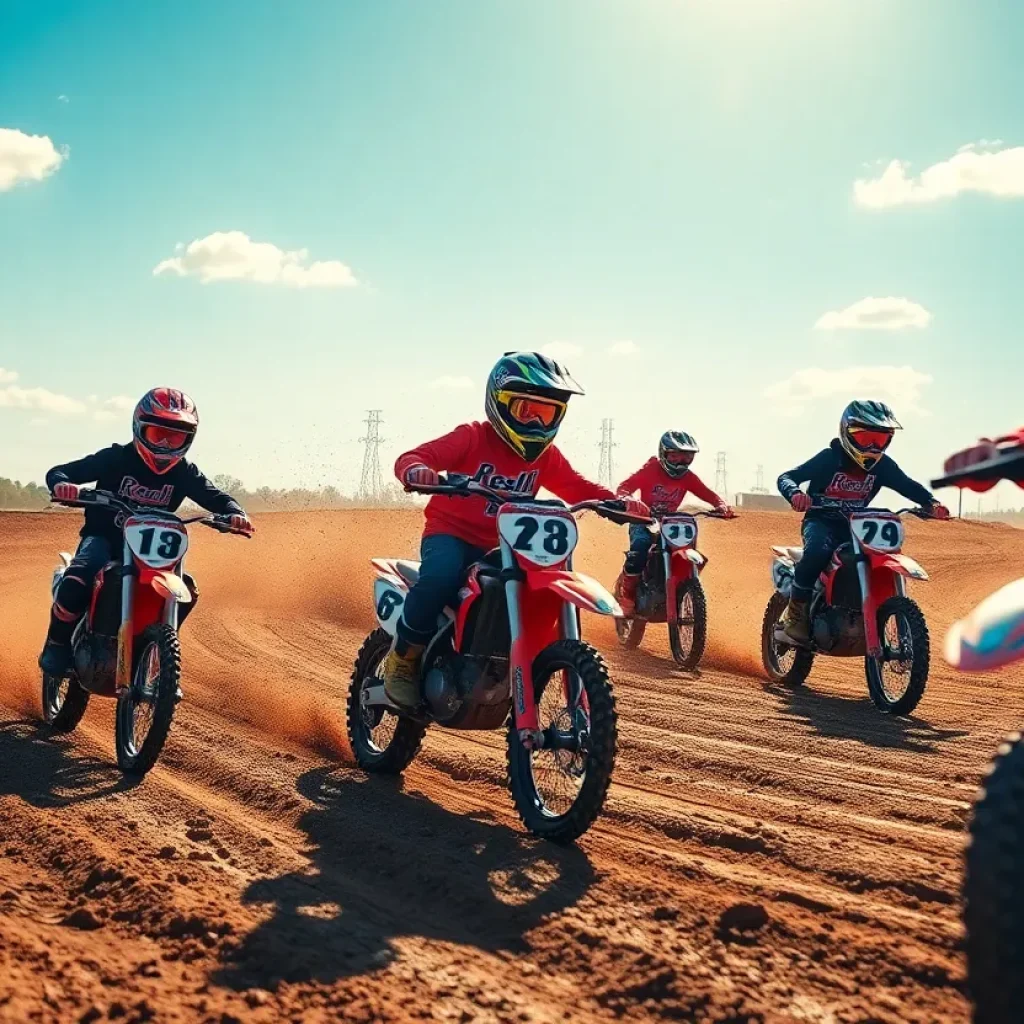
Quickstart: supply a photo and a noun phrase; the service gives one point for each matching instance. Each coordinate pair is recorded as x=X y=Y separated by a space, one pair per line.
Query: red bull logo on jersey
x=141 y=495
x=665 y=499
x=525 y=483
x=845 y=487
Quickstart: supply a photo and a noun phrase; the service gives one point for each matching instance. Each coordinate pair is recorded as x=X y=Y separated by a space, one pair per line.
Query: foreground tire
x=559 y=793
x=784 y=664
x=994 y=892
x=896 y=684
x=64 y=703
x=687 y=639
x=382 y=742
x=145 y=712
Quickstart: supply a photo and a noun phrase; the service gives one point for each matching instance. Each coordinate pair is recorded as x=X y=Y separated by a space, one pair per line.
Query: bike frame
x=682 y=563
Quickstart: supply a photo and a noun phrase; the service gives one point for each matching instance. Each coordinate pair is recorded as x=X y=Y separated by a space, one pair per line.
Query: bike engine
x=95 y=662
x=441 y=691
x=839 y=632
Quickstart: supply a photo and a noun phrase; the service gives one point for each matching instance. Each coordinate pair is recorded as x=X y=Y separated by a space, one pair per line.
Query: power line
x=606 y=468
x=371 y=486
x=759 y=487
x=721 y=477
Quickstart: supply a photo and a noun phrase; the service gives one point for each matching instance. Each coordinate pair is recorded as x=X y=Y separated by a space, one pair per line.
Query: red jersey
x=663 y=493
x=474 y=449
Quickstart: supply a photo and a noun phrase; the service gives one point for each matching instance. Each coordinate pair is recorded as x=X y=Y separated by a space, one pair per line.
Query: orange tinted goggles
x=165 y=437
x=870 y=440
x=535 y=410
x=679 y=458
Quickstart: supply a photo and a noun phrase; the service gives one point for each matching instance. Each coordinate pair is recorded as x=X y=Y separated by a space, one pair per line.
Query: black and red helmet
x=163 y=427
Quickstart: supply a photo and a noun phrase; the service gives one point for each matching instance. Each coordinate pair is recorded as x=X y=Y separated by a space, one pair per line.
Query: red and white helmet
x=163 y=426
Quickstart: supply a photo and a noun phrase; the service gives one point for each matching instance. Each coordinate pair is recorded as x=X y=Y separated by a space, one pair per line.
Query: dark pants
x=445 y=560
x=821 y=538
x=72 y=598
x=640 y=541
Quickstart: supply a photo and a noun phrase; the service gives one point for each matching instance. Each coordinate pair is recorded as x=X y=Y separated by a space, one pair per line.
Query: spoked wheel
x=560 y=789
x=784 y=663
x=630 y=632
x=145 y=712
x=896 y=681
x=381 y=741
x=64 y=702
x=994 y=891
x=689 y=635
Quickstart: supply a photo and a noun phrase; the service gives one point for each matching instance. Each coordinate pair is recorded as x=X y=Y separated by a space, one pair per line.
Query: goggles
x=527 y=410
x=869 y=440
x=679 y=458
x=165 y=438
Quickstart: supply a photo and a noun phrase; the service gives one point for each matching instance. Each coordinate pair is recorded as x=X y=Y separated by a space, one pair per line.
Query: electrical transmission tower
x=371 y=487
x=606 y=469
x=721 y=479
x=759 y=487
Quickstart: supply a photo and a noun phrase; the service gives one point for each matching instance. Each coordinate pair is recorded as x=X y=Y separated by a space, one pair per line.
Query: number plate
x=679 y=531
x=157 y=543
x=878 y=532
x=543 y=538
x=389 y=602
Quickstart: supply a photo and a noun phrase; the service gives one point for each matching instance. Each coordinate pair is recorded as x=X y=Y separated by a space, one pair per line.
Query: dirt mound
x=766 y=855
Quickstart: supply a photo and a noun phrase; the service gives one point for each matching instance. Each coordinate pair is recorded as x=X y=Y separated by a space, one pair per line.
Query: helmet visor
x=678 y=458
x=528 y=410
x=164 y=438
x=868 y=439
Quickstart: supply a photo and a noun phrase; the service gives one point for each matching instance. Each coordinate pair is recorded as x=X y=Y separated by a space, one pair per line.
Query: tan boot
x=628 y=583
x=795 y=625
x=402 y=674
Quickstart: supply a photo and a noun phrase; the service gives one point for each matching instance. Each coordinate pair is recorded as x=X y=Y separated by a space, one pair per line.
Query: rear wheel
x=630 y=632
x=560 y=789
x=994 y=891
x=896 y=681
x=688 y=637
x=382 y=742
x=783 y=662
x=145 y=712
x=64 y=702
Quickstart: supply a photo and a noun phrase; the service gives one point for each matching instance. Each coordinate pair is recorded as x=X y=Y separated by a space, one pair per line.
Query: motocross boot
x=628 y=583
x=55 y=660
x=402 y=674
x=795 y=625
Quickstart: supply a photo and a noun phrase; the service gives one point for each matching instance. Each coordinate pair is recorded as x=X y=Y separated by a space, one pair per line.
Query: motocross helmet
x=676 y=450
x=527 y=395
x=865 y=430
x=163 y=427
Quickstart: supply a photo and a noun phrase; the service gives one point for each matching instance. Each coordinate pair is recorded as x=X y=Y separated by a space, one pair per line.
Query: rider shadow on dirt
x=389 y=864
x=858 y=719
x=46 y=770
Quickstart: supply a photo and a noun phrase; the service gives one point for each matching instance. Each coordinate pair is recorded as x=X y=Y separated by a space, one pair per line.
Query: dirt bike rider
x=663 y=481
x=845 y=476
x=527 y=396
x=150 y=472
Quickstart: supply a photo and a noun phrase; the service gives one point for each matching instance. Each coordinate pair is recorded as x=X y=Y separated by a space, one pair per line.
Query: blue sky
x=662 y=191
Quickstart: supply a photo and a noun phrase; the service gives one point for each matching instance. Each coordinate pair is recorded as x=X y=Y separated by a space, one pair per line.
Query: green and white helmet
x=527 y=396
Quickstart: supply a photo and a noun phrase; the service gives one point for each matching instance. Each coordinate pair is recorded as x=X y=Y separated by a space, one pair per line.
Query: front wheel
x=382 y=742
x=145 y=712
x=897 y=679
x=689 y=634
x=64 y=702
x=994 y=891
x=560 y=789
x=784 y=663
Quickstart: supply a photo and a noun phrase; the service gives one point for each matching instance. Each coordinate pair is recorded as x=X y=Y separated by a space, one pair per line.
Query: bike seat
x=795 y=553
x=408 y=570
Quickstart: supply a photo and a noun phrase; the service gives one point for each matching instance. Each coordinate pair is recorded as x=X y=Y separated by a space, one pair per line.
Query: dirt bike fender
x=170 y=585
x=991 y=636
x=696 y=558
x=902 y=565
x=578 y=589
x=389 y=594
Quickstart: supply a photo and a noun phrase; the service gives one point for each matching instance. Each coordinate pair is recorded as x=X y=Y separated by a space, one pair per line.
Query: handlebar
x=459 y=486
x=920 y=513
x=94 y=496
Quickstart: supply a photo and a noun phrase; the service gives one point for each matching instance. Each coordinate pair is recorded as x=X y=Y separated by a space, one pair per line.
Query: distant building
x=762 y=502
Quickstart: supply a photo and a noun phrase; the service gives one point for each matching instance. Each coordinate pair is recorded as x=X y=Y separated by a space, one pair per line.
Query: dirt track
x=765 y=855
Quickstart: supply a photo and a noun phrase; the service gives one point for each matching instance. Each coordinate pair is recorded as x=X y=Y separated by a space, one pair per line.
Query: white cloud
x=451 y=383
x=12 y=396
x=63 y=99
x=888 y=314
x=901 y=386
x=623 y=348
x=26 y=157
x=7 y=376
x=562 y=350
x=234 y=256
x=975 y=167
x=116 y=408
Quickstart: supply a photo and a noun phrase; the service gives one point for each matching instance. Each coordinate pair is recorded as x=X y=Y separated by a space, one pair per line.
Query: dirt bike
x=991 y=637
x=512 y=645
x=859 y=609
x=126 y=645
x=670 y=590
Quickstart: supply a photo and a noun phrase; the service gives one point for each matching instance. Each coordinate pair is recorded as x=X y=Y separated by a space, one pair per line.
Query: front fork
x=872 y=640
x=125 y=634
